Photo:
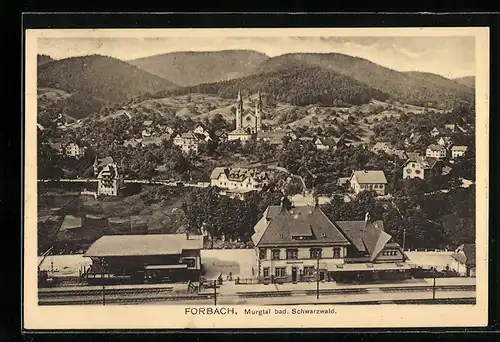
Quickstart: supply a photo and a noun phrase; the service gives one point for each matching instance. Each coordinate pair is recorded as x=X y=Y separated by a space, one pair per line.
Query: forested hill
x=296 y=85
x=100 y=77
x=469 y=81
x=192 y=68
x=403 y=87
x=439 y=80
x=42 y=59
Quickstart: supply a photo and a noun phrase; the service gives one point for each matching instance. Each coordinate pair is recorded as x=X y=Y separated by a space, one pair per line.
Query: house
x=109 y=181
x=239 y=178
x=368 y=180
x=220 y=135
x=436 y=151
x=382 y=147
x=464 y=260
x=72 y=149
x=275 y=137
x=156 y=140
x=413 y=139
x=416 y=167
x=124 y=112
x=445 y=141
x=239 y=134
x=150 y=257
x=458 y=151
x=132 y=142
x=343 y=181
x=325 y=143
x=57 y=147
x=302 y=244
x=188 y=142
x=434 y=132
x=450 y=127
x=204 y=131
x=401 y=154
x=146 y=133
x=147 y=123
x=240 y=194
x=165 y=129
x=100 y=163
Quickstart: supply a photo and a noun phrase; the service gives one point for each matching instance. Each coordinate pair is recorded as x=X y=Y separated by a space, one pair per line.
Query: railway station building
x=151 y=258
x=301 y=243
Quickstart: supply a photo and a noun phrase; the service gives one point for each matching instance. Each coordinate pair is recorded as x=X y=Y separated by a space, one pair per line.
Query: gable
x=309 y=223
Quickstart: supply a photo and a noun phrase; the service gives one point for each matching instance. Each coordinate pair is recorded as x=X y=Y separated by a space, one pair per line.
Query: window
x=276 y=254
x=291 y=254
x=189 y=262
x=308 y=271
x=417 y=172
x=265 y=272
x=315 y=253
x=262 y=253
x=280 y=272
x=336 y=252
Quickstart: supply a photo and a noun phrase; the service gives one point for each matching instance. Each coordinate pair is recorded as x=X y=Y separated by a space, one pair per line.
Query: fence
x=246 y=281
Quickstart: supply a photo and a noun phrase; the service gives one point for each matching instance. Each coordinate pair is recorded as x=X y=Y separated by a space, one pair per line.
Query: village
x=294 y=241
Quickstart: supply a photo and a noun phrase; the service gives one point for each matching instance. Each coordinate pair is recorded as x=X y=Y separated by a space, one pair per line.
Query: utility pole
x=103 y=265
x=434 y=285
x=215 y=292
x=317 y=277
x=404 y=238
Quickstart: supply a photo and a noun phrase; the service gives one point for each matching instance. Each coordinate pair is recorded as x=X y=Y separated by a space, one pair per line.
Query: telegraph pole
x=317 y=278
x=103 y=264
x=434 y=285
x=215 y=292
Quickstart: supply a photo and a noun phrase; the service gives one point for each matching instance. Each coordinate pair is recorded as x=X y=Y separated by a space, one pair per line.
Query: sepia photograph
x=194 y=178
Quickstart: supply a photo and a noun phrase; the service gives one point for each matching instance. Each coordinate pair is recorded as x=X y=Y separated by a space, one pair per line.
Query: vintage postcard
x=256 y=178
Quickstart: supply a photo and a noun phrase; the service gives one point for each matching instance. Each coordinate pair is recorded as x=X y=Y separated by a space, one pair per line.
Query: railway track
x=428 y=288
x=394 y=289
x=120 y=300
x=98 y=292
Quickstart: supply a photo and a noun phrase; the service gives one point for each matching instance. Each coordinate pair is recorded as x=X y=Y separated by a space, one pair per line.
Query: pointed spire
x=239 y=95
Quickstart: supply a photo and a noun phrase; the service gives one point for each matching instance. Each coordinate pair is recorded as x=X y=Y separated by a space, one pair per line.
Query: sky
x=447 y=56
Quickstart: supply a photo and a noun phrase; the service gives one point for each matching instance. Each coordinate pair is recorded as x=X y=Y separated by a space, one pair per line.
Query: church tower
x=239 y=111
x=258 y=112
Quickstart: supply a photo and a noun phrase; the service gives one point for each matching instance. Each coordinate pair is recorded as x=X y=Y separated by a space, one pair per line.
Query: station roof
x=143 y=245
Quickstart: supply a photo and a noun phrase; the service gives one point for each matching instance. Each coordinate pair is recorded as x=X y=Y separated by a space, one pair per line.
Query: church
x=247 y=124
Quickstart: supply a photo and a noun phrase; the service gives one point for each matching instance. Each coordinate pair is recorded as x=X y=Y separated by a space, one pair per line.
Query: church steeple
x=258 y=112
x=239 y=110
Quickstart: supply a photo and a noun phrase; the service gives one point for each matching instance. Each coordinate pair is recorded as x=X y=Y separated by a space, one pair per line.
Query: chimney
x=187 y=236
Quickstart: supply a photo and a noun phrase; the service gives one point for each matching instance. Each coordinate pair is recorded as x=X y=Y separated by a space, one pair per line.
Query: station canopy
x=369 y=267
x=144 y=245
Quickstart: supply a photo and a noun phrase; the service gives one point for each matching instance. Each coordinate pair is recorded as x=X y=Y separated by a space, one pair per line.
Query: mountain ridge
x=402 y=87
x=469 y=81
x=104 y=77
x=189 y=68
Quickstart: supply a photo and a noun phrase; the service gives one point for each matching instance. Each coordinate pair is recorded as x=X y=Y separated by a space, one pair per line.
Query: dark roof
x=140 y=245
x=300 y=221
x=368 y=237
